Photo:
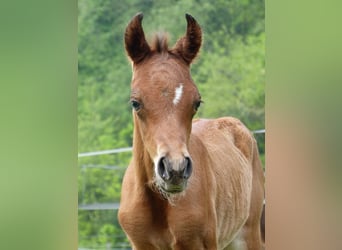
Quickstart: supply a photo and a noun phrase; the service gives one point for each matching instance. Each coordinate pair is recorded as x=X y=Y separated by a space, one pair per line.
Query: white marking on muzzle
x=178 y=94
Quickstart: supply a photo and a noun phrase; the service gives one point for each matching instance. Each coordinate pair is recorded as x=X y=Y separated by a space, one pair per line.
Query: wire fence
x=128 y=149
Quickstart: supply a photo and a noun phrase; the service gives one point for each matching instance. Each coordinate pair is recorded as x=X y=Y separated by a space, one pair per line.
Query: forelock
x=160 y=43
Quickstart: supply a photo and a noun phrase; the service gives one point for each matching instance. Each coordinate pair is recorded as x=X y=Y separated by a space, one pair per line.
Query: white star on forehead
x=178 y=94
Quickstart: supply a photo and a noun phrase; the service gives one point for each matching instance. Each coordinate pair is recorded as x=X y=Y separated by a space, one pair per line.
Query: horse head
x=164 y=99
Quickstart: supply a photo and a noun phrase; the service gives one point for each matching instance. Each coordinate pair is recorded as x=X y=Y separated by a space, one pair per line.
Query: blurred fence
x=128 y=149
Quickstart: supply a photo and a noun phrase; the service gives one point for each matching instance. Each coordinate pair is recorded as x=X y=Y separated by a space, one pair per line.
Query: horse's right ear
x=135 y=43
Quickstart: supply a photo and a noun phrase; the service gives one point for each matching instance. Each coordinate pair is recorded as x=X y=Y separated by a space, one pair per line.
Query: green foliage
x=231 y=81
x=99 y=229
x=230 y=74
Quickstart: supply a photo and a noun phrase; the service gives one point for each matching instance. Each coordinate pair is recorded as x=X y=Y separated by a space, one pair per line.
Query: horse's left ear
x=188 y=46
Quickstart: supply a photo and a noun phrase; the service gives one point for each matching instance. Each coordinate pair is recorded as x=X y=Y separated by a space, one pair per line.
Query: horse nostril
x=188 y=168
x=163 y=169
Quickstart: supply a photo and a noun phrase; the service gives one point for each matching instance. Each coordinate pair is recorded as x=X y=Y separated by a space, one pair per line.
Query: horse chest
x=149 y=229
x=146 y=229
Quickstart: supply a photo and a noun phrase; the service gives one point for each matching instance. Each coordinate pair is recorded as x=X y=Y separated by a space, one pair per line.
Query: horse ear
x=135 y=43
x=188 y=46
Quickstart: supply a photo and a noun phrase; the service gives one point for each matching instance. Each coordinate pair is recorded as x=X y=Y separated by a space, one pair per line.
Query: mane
x=160 y=42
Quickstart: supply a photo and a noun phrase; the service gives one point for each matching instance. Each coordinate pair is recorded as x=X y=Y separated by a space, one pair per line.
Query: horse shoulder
x=228 y=129
x=131 y=200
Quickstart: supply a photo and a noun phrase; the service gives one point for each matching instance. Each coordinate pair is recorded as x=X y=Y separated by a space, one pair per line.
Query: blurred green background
x=229 y=72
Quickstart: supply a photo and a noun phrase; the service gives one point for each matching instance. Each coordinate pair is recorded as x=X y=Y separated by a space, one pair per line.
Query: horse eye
x=197 y=105
x=135 y=105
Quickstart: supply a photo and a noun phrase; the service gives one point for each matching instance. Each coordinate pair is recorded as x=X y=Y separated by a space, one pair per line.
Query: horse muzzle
x=174 y=173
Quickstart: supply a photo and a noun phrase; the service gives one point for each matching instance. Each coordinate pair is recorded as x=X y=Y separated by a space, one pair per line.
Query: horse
x=191 y=183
